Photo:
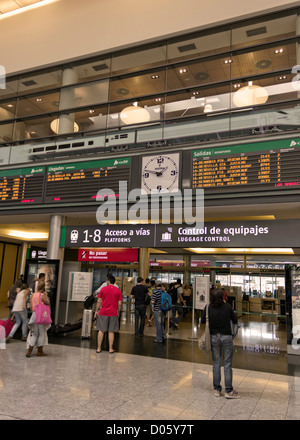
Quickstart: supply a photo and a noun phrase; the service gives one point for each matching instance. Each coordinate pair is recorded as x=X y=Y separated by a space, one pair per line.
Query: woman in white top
x=20 y=311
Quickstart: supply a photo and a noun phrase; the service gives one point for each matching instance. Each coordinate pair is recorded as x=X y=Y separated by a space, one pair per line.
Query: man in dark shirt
x=138 y=292
x=220 y=316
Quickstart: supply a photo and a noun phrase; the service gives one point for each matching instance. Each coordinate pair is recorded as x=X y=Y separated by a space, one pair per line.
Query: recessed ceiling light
x=10 y=105
x=236 y=86
x=154 y=76
x=38 y=99
x=228 y=61
x=182 y=70
x=282 y=77
x=279 y=50
x=158 y=99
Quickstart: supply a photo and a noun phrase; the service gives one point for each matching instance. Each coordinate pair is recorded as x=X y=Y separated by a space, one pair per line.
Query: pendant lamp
x=134 y=114
x=250 y=95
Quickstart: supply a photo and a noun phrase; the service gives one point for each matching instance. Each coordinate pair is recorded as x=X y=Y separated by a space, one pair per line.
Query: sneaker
x=232 y=395
x=217 y=393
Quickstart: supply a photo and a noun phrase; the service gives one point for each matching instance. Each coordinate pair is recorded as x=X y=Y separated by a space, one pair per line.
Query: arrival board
x=258 y=166
x=81 y=181
x=22 y=186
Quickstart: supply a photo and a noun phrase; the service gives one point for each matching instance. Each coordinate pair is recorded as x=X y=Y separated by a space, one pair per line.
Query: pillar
x=54 y=252
x=144 y=255
x=23 y=257
x=53 y=248
x=67 y=100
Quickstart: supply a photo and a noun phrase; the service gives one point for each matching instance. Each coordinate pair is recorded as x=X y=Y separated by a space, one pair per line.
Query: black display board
x=80 y=181
x=257 y=166
x=22 y=186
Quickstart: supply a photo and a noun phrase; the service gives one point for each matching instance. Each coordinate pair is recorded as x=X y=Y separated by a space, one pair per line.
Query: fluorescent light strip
x=26 y=8
x=28 y=235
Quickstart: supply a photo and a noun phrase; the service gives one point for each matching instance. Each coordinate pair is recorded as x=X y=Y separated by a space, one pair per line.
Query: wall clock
x=160 y=173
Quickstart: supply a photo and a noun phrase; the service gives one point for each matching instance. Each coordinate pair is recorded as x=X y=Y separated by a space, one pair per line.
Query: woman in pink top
x=38 y=332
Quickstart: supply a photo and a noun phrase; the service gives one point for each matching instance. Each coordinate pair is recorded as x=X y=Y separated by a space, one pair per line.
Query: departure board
x=258 y=166
x=81 y=181
x=22 y=186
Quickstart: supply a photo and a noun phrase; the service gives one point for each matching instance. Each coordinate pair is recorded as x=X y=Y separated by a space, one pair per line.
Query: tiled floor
x=148 y=381
x=75 y=383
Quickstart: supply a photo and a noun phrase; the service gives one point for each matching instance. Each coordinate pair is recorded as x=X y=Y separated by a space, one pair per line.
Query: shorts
x=108 y=323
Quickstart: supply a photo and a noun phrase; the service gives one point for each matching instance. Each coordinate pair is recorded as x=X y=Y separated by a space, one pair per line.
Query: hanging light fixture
x=55 y=126
x=134 y=114
x=207 y=108
x=250 y=95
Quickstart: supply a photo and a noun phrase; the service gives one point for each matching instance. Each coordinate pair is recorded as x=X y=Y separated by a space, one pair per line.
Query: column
x=53 y=248
x=54 y=252
x=23 y=256
x=144 y=254
x=65 y=122
x=186 y=273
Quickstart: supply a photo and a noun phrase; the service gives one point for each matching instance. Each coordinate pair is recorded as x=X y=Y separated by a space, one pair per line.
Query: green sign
x=91 y=164
x=285 y=144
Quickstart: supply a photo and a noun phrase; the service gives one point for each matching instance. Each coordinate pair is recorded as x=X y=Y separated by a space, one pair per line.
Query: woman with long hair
x=38 y=332
x=220 y=315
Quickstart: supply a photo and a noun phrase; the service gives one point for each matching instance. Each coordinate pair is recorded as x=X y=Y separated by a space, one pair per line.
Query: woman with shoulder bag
x=220 y=316
x=38 y=332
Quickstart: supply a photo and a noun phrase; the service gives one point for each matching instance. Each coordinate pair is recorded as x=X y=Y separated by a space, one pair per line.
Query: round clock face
x=160 y=173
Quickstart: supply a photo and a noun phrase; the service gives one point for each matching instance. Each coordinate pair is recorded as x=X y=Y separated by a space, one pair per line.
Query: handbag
x=204 y=343
x=42 y=312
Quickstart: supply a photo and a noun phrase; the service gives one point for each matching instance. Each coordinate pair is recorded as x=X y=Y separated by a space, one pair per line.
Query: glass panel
x=199 y=73
x=136 y=59
x=37 y=105
x=87 y=120
x=93 y=70
x=202 y=44
x=7 y=110
x=6 y=131
x=282 y=117
x=133 y=86
x=269 y=59
x=132 y=113
x=259 y=31
x=40 y=81
x=89 y=94
x=199 y=102
x=10 y=90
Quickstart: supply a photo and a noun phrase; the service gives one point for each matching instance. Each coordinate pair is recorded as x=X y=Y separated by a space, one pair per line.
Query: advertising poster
x=201 y=289
x=80 y=285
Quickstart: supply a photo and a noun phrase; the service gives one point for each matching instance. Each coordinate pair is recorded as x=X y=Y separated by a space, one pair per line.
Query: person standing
x=20 y=311
x=149 y=307
x=178 y=306
x=12 y=294
x=38 y=332
x=159 y=315
x=108 y=308
x=220 y=315
x=138 y=292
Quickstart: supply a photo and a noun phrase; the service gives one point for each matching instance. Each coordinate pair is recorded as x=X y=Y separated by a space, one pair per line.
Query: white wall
x=68 y=29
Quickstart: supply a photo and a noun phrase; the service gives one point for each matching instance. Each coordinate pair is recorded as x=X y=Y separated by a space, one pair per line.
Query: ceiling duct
x=256 y=31
x=186 y=47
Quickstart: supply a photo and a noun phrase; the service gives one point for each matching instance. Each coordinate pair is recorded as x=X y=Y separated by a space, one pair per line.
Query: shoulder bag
x=204 y=343
x=42 y=312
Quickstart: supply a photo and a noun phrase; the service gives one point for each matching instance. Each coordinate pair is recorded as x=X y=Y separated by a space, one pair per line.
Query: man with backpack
x=162 y=303
x=177 y=304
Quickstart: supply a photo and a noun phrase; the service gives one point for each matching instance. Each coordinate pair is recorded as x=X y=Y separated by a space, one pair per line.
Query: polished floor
x=146 y=381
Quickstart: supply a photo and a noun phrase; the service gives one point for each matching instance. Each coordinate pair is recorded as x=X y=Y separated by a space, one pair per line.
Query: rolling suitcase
x=87 y=320
x=8 y=325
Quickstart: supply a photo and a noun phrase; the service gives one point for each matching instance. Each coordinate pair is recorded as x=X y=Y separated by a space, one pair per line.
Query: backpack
x=165 y=302
x=89 y=302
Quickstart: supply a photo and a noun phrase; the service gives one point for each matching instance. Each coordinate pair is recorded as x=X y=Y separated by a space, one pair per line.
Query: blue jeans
x=177 y=308
x=140 y=312
x=21 y=318
x=160 y=319
x=222 y=345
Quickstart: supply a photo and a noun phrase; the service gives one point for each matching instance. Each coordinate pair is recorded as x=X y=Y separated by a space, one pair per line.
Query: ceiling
x=7 y=6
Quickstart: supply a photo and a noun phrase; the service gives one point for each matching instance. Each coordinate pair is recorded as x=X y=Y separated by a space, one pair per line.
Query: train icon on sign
x=74 y=236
